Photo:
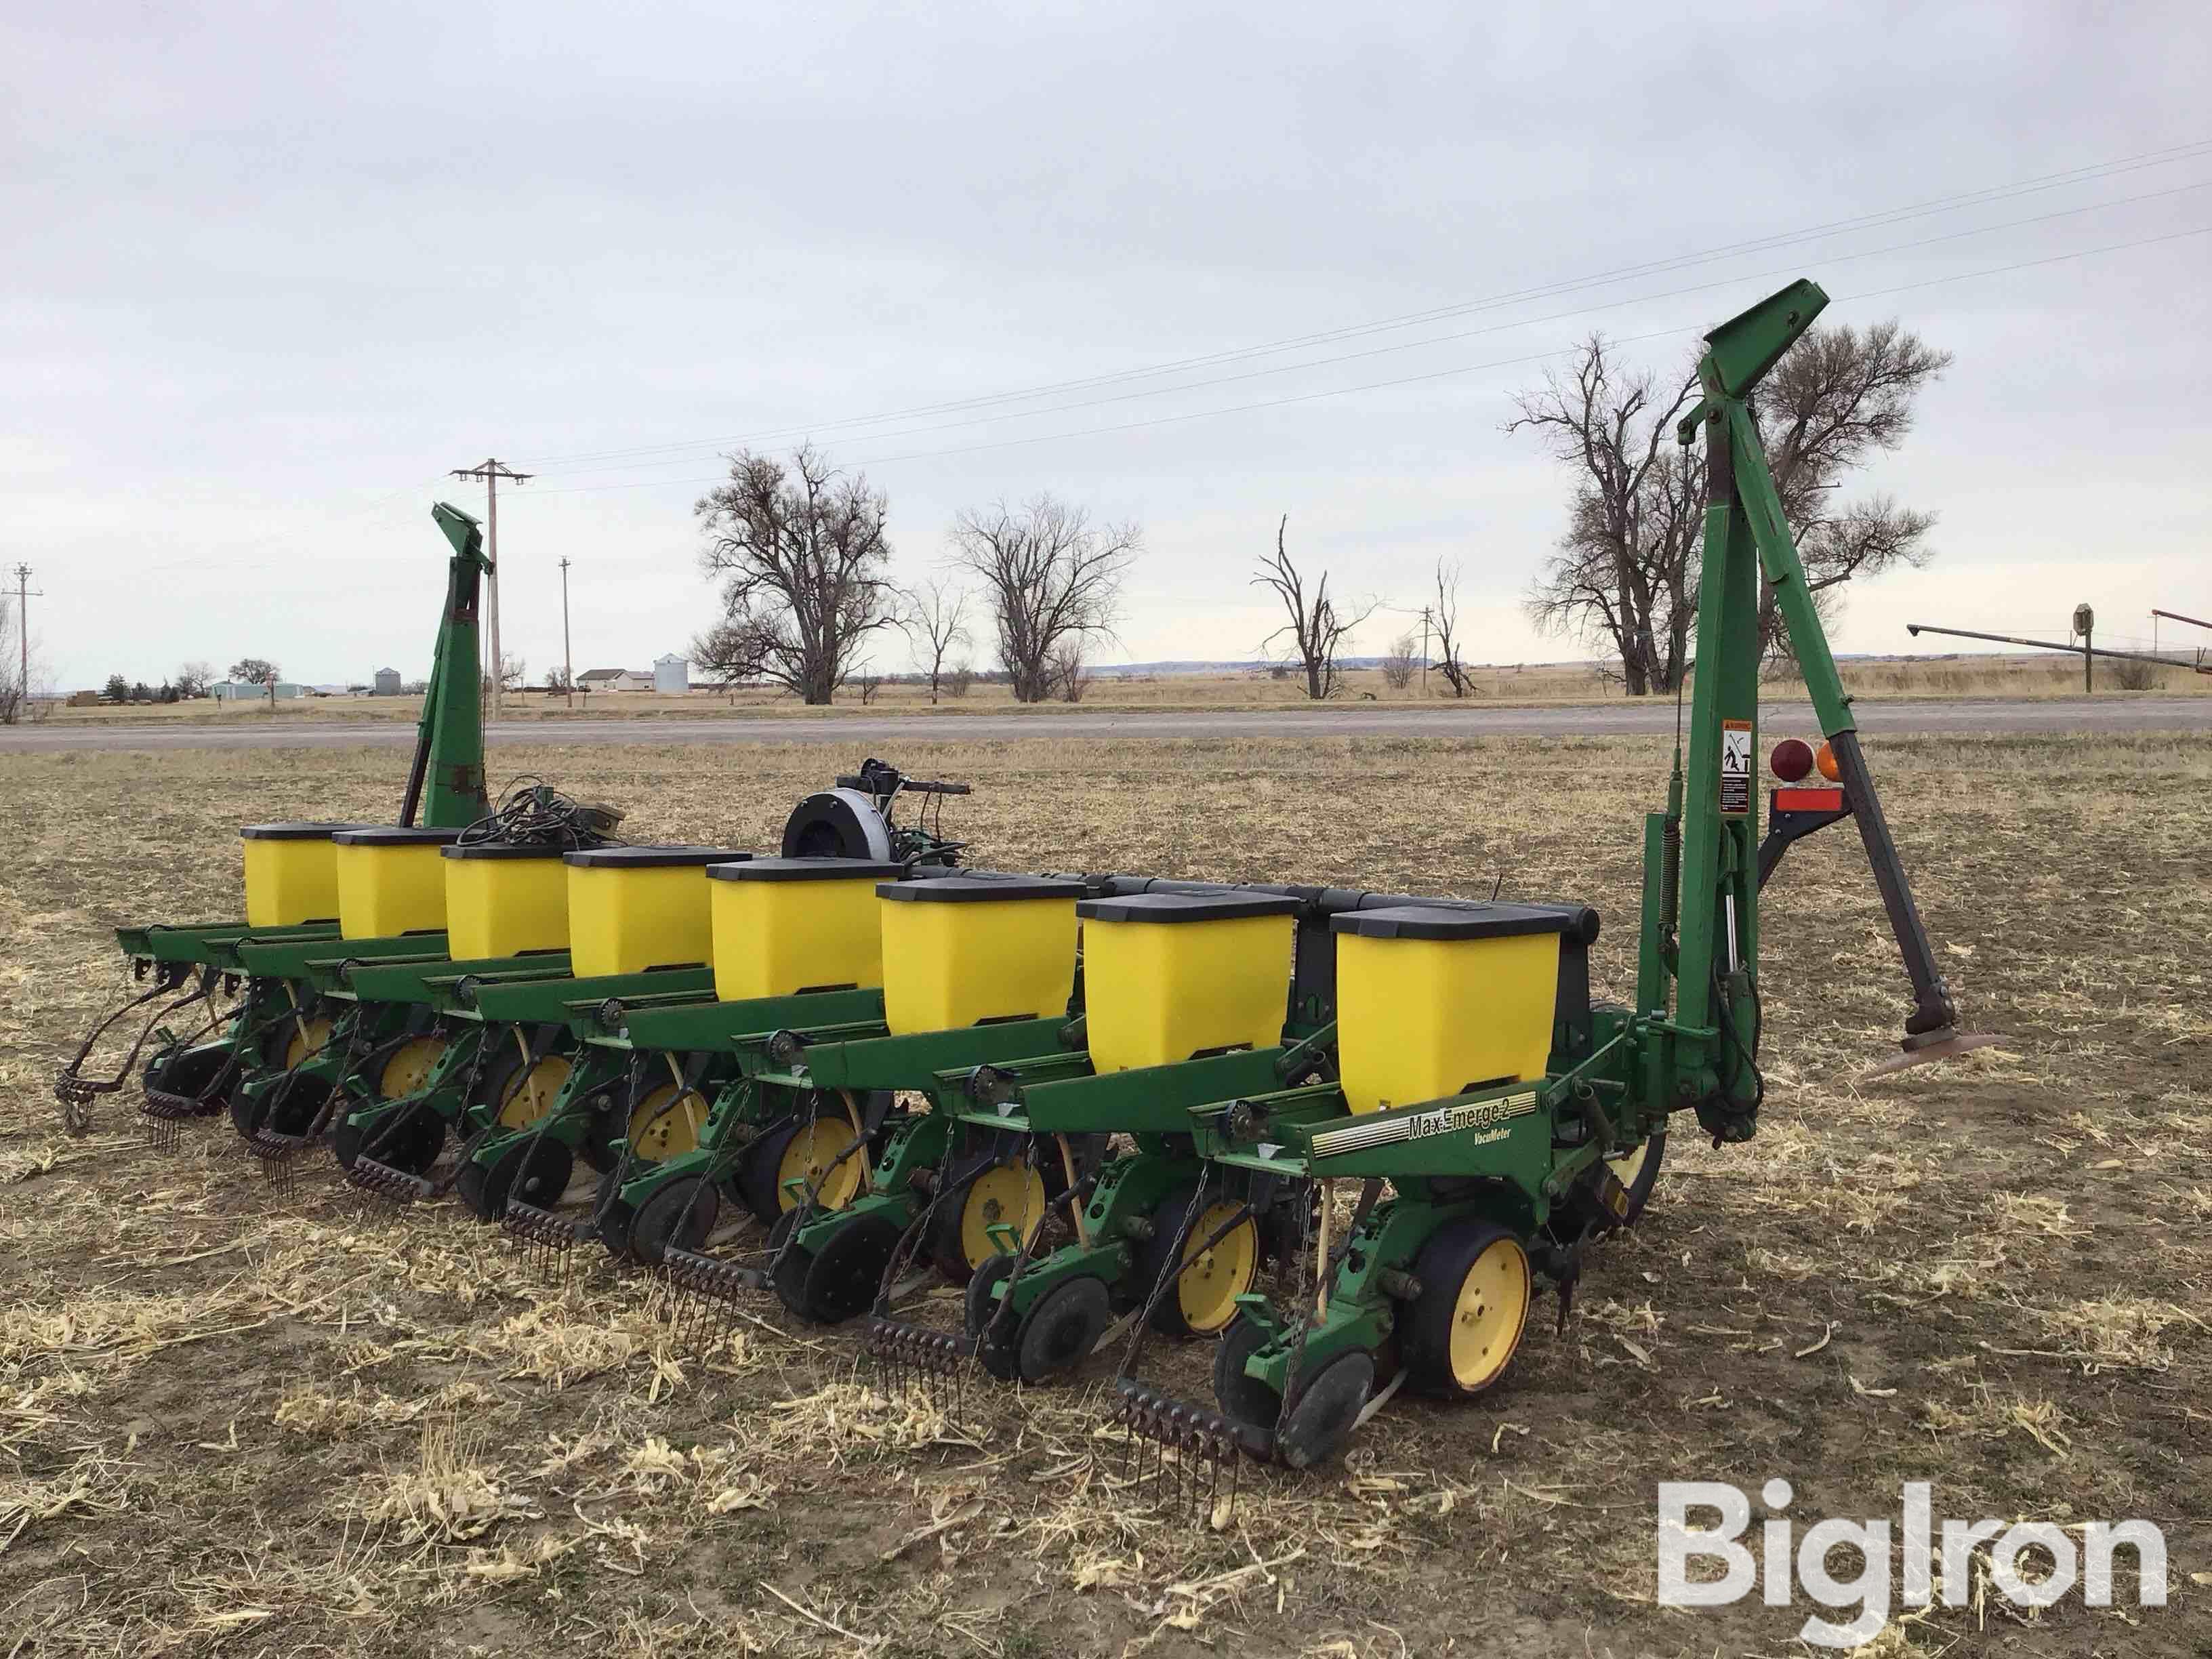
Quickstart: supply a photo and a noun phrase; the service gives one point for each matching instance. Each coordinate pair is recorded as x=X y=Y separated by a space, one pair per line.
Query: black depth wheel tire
x=188 y=1072
x=1459 y=1336
x=613 y=1216
x=1245 y=1401
x=678 y=1215
x=534 y=1170
x=1644 y=1175
x=755 y=1178
x=788 y=1263
x=292 y=1109
x=1315 y=1428
x=1060 y=1332
x=980 y=1306
x=245 y=1111
x=410 y=1148
x=842 y=1279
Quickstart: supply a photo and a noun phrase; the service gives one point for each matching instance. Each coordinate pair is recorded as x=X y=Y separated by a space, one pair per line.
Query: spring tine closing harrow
x=279 y=1152
x=1168 y=1439
x=704 y=1294
x=382 y=1181
x=1171 y=1444
x=548 y=1241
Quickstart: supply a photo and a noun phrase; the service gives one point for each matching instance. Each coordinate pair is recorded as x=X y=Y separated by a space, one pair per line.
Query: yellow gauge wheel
x=1209 y=1287
x=1012 y=1194
x=1490 y=1310
x=813 y=1147
x=659 y=1131
x=406 y=1072
x=534 y=1095
x=309 y=1038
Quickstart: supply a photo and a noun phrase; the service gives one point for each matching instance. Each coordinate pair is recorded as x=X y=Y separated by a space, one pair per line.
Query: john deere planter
x=1496 y=1118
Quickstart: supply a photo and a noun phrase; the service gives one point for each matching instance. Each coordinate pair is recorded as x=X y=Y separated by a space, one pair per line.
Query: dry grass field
x=2043 y=675
x=239 y=1423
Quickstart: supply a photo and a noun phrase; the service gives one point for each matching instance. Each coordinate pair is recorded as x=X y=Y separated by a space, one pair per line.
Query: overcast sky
x=271 y=270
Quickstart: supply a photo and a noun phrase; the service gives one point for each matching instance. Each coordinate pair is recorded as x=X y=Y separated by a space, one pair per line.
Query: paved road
x=859 y=731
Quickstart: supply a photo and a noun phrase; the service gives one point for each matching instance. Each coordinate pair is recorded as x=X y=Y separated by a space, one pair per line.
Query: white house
x=613 y=679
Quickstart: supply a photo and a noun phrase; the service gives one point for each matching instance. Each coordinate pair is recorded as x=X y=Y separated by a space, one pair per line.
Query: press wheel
x=679 y=1215
x=1244 y=1400
x=1327 y=1409
x=410 y=1147
x=788 y=1263
x=1058 y=1333
x=842 y=1279
x=1464 y=1328
x=535 y=1169
x=980 y=1307
x=189 y=1073
x=613 y=1216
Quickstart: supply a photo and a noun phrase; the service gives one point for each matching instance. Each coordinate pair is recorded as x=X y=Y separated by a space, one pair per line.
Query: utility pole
x=567 y=650
x=491 y=471
x=1425 y=651
x=23 y=596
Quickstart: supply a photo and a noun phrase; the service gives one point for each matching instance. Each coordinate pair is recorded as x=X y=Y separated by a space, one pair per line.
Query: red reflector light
x=1808 y=800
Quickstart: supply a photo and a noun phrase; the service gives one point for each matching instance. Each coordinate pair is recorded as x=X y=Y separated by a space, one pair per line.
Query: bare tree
x=1625 y=574
x=801 y=553
x=935 y=619
x=1618 y=573
x=959 y=680
x=1318 y=626
x=1446 y=617
x=867 y=684
x=191 y=679
x=1400 y=662
x=1065 y=678
x=513 y=672
x=1050 y=578
x=14 y=694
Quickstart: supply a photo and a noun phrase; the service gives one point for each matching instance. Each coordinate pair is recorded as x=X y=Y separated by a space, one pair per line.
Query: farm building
x=672 y=674
x=386 y=682
x=240 y=691
x=614 y=679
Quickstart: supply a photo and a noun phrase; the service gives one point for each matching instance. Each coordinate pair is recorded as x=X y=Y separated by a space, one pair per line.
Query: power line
x=2087 y=173
x=1468 y=334
x=1400 y=380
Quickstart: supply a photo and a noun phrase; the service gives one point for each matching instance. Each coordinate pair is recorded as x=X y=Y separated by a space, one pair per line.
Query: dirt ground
x=234 y=1421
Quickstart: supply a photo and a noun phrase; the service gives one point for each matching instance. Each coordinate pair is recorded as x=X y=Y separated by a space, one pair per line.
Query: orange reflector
x=1825 y=758
x=1808 y=800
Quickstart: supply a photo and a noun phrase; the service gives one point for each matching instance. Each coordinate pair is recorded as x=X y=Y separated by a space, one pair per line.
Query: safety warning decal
x=1735 y=767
